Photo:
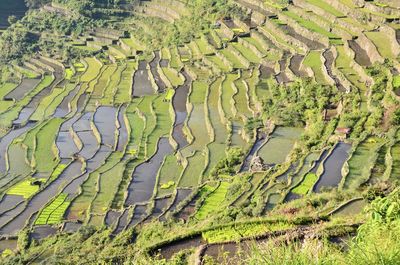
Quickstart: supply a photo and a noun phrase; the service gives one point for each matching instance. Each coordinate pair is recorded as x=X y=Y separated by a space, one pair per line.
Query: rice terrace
x=199 y=132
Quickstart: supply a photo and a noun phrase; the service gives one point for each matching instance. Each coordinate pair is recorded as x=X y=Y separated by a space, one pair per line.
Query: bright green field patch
x=213 y=202
x=92 y=71
x=45 y=156
x=325 y=6
x=53 y=213
x=396 y=81
x=310 y=25
x=69 y=73
x=6 y=88
x=382 y=43
x=306 y=184
x=25 y=188
x=232 y=58
x=204 y=46
x=193 y=172
x=313 y=60
x=173 y=76
x=170 y=94
x=219 y=63
x=247 y=53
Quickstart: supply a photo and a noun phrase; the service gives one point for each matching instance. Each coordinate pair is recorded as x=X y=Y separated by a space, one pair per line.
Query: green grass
x=193 y=171
x=213 y=202
x=169 y=173
x=108 y=184
x=232 y=58
x=395 y=152
x=313 y=60
x=132 y=43
x=204 y=46
x=92 y=70
x=304 y=187
x=6 y=88
x=219 y=63
x=57 y=171
x=175 y=58
x=11 y=114
x=343 y=63
x=396 y=81
x=310 y=25
x=227 y=95
x=45 y=156
x=197 y=118
x=53 y=212
x=247 y=53
x=173 y=76
x=124 y=91
x=325 y=6
x=361 y=162
x=242 y=97
x=382 y=43
x=39 y=113
x=25 y=188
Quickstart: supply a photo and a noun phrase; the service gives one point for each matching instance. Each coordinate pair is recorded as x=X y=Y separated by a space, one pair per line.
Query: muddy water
x=179 y=104
x=328 y=65
x=291 y=170
x=8 y=202
x=159 y=206
x=154 y=64
x=398 y=35
x=104 y=119
x=123 y=131
x=63 y=109
x=352 y=208
x=71 y=227
x=295 y=64
x=282 y=77
x=112 y=217
x=164 y=63
x=22 y=89
x=40 y=199
x=261 y=137
x=361 y=57
x=144 y=177
x=41 y=232
x=226 y=252
x=8 y=244
x=122 y=222
x=66 y=145
x=189 y=209
x=181 y=194
x=91 y=165
x=11 y=8
x=266 y=71
x=138 y=215
x=29 y=109
x=7 y=139
x=141 y=81
x=168 y=251
x=333 y=167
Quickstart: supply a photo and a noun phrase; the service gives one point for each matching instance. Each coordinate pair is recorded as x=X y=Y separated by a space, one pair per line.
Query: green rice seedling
x=26 y=188
x=304 y=187
x=213 y=202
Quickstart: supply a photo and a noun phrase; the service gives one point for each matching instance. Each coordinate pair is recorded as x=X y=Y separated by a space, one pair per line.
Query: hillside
x=200 y=132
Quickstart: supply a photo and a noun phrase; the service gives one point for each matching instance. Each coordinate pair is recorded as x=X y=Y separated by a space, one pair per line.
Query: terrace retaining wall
x=370 y=48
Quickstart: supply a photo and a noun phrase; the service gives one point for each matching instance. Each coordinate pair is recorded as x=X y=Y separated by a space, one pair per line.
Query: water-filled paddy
x=333 y=165
x=279 y=145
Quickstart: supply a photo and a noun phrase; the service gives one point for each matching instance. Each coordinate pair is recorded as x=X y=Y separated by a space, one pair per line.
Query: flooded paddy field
x=333 y=165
